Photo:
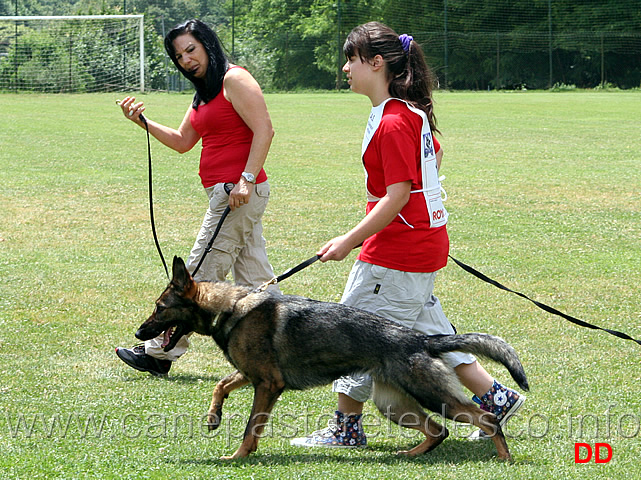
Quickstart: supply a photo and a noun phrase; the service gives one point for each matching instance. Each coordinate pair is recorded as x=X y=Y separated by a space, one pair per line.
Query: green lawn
x=543 y=196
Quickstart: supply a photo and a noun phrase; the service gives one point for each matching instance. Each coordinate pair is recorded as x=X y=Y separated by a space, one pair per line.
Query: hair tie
x=405 y=41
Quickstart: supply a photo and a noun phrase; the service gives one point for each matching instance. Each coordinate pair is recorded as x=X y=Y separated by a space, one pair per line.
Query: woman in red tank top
x=229 y=114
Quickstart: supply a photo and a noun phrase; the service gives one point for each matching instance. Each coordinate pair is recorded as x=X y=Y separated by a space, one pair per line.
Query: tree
x=289 y=44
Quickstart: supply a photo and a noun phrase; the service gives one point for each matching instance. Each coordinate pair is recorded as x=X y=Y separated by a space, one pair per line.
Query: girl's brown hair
x=410 y=77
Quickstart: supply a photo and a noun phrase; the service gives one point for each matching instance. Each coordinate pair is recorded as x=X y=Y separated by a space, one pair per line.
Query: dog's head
x=176 y=311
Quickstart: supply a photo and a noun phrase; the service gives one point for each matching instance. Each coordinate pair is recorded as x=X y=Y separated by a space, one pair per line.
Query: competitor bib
x=429 y=172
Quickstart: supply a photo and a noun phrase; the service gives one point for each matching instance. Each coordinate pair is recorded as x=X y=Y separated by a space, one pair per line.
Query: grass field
x=543 y=196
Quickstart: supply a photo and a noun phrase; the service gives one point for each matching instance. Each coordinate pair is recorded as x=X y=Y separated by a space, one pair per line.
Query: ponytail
x=410 y=77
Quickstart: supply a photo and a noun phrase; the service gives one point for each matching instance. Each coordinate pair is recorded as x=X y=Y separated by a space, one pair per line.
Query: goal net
x=85 y=53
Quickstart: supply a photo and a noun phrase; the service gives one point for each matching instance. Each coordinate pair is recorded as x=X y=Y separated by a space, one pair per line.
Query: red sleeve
x=399 y=147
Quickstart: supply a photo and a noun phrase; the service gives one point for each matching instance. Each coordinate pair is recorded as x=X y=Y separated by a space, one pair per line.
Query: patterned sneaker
x=502 y=402
x=137 y=358
x=342 y=432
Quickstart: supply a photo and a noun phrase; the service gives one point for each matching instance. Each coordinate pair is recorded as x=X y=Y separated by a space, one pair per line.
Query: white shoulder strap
x=431 y=185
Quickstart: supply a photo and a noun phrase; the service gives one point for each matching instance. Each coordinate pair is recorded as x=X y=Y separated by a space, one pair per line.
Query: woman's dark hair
x=410 y=77
x=206 y=88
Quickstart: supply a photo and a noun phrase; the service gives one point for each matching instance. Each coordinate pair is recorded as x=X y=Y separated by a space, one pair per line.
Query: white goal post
x=72 y=53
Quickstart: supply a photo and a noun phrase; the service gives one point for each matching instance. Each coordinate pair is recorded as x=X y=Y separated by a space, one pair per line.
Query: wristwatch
x=249 y=177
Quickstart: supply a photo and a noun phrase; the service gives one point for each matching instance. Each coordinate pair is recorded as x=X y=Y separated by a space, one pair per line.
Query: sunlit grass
x=543 y=195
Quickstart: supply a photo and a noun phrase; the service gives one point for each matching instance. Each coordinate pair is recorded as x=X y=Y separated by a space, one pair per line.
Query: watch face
x=249 y=177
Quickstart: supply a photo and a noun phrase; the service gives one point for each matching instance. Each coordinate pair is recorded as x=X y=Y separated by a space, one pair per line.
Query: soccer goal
x=84 y=53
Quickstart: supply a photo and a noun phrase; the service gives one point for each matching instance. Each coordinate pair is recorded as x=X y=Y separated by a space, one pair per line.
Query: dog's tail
x=482 y=345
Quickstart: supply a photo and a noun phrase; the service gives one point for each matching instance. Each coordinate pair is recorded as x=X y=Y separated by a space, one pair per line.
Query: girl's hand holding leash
x=336 y=249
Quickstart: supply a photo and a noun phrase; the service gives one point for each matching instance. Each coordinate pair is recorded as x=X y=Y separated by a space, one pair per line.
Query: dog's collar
x=220 y=318
x=221 y=324
x=217 y=320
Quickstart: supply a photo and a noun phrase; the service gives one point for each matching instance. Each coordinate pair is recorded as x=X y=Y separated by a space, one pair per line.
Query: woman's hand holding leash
x=241 y=194
x=132 y=111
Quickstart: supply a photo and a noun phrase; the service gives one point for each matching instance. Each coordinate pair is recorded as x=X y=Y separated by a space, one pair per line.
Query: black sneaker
x=137 y=358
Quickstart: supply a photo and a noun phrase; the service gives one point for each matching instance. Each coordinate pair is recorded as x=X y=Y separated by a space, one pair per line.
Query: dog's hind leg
x=221 y=392
x=486 y=421
x=406 y=412
x=436 y=387
x=266 y=394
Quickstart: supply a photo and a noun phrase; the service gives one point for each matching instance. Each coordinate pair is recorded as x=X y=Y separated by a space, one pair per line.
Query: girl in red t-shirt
x=403 y=235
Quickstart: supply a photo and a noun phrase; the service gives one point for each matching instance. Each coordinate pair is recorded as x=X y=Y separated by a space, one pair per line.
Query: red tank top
x=226 y=141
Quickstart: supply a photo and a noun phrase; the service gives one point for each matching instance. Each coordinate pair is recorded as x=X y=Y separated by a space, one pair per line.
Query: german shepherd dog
x=280 y=342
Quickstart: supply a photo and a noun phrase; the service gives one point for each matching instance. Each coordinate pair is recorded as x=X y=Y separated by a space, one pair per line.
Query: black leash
x=151 y=199
x=309 y=261
x=479 y=275
x=543 y=306
x=288 y=273
x=297 y=268
x=228 y=188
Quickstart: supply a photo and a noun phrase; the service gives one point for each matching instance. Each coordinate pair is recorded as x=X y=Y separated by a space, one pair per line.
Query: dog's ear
x=181 y=277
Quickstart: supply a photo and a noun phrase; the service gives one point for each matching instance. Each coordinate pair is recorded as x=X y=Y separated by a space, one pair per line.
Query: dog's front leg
x=221 y=392
x=265 y=395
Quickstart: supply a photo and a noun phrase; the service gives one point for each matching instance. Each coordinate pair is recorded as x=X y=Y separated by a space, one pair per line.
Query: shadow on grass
x=450 y=452
x=181 y=379
x=189 y=379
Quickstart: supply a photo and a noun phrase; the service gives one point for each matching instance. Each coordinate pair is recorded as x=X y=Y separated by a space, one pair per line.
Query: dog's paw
x=214 y=418
x=405 y=453
x=240 y=453
x=507 y=458
x=213 y=422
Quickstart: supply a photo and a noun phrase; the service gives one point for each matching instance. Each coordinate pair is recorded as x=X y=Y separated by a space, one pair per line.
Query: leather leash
x=309 y=261
x=542 y=306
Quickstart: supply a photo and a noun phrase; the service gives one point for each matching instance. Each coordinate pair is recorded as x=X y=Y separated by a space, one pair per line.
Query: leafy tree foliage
x=290 y=44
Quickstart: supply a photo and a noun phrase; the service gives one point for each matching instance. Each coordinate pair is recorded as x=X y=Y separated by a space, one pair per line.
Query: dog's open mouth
x=167 y=336
x=171 y=336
